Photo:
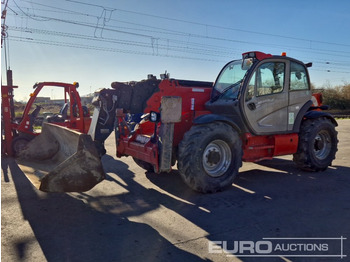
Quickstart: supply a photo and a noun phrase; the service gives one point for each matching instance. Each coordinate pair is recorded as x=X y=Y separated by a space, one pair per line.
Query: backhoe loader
x=259 y=107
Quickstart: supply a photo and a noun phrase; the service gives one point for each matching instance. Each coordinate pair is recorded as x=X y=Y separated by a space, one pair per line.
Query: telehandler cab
x=259 y=107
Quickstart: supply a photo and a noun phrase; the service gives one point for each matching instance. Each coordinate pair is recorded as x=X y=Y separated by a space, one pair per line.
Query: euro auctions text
x=277 y=247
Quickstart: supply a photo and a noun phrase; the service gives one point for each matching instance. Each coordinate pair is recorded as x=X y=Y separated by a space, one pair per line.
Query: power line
x=32 y=17
x=129 y=51
x=155 y=36
x=152 y=37
x=202 y=50
x=188 y=22
x=185 y=47
x=107 y=49
x=208 y=25
x=172 y=32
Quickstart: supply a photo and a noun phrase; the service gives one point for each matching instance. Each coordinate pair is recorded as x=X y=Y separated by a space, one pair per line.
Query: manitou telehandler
x=259 y=107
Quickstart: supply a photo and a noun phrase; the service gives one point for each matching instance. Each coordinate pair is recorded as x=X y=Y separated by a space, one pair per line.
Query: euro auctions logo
x=281 y=247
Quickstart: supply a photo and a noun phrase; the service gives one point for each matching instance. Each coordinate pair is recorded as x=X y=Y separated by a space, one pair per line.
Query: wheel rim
x=217 y=158
x=322 y=145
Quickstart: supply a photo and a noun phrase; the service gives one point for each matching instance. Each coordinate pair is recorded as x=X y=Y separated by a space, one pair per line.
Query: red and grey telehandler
x=259 y=107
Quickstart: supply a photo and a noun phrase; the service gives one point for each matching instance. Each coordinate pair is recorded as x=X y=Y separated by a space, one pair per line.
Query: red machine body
x=138 y=143
x=78 y=119
x=8 y=126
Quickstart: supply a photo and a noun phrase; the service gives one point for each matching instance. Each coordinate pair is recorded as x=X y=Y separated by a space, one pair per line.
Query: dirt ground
x=139 y=216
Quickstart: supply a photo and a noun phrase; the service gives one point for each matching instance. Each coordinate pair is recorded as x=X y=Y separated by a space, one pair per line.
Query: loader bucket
x=61 y=160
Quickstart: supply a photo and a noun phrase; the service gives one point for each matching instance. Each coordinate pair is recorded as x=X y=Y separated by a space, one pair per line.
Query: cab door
x=299 y=91
x=265 y=103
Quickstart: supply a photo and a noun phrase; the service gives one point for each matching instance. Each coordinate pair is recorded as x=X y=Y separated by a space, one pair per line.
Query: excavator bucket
x=61 y=160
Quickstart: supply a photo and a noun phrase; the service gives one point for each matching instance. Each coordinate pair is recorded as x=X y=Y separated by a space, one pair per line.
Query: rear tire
x=209 y=157
x=317 y=144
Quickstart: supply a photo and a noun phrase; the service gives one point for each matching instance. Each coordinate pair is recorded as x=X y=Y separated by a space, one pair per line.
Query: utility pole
x=3 y=19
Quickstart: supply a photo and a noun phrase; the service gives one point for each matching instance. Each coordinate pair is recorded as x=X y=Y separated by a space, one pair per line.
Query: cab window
x=271 y=78
x=298 y=77
x=250 y=88
x=267 y=79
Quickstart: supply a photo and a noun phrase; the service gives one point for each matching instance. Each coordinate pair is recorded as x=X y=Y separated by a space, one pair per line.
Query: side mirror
x=308 y=64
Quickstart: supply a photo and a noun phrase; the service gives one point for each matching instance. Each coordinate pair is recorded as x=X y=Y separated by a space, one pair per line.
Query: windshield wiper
x=225 y=90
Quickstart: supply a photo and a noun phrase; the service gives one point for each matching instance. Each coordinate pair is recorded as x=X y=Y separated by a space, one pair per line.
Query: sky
x=98 y=42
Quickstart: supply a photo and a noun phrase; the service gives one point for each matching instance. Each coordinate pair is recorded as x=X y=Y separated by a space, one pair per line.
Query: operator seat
x=61 y=116
x=33 y=116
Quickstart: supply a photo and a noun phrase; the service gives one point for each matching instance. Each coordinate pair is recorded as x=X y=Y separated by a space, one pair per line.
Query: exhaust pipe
x=61 y=160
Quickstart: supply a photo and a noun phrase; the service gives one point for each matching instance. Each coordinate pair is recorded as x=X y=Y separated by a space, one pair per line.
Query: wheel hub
x=319 y=144
x=322 y=145
x=213 y=157
x=216 y=158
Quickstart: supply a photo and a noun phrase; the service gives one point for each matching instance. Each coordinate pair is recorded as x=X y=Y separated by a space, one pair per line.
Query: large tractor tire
x=209 y=157
x=317 y=144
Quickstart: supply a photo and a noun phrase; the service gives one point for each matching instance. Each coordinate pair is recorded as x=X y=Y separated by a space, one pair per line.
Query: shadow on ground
x=280 y=201
x=69 y=229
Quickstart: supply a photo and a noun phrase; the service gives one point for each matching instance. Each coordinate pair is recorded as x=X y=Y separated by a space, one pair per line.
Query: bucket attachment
x=61 y=160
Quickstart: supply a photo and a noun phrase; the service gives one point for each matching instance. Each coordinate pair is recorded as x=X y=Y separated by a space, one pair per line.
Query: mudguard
x=209 y=118
x=316 y=114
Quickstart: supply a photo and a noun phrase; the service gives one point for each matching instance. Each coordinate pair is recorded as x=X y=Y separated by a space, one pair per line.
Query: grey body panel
x=297 y=99
x=274 y=112
x=269 y=114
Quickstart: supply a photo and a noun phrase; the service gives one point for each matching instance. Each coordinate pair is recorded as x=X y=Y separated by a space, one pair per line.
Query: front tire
x=317 y=144
x=19 y=143
x=209 y=157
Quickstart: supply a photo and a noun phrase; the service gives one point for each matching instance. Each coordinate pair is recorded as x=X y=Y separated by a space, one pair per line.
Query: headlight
x=154 y=116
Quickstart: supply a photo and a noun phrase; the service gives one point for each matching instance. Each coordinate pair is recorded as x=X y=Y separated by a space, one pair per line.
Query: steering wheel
x=39 y=106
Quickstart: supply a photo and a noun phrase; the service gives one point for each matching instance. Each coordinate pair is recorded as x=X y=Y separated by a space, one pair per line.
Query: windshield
x=228 y=83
